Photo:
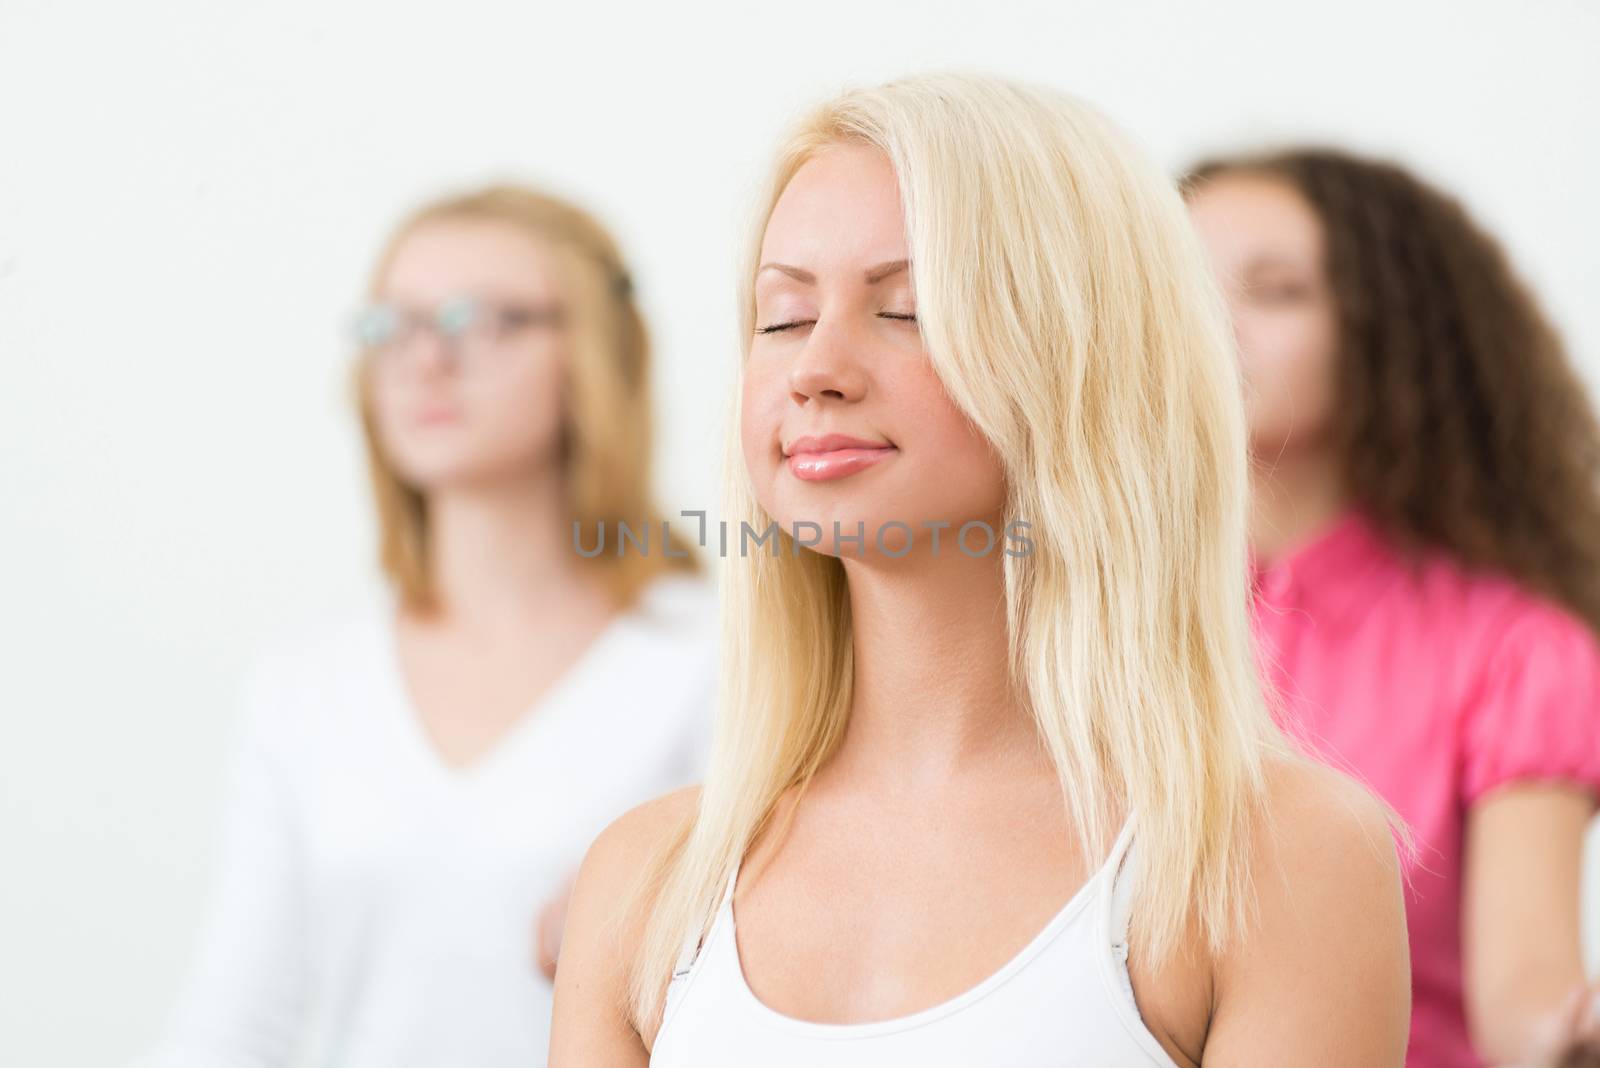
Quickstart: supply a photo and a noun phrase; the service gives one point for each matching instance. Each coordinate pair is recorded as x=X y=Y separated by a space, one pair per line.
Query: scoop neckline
x=821 y=1029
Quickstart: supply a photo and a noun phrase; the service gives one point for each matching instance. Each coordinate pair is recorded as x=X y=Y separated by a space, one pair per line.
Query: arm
x=1322 y=975
x=1520 y=915
x=243 y=1002
x=1530 y=770
x=592 y=1021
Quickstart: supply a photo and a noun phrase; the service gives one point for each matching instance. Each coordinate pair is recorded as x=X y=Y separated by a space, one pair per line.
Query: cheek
x=520 y=408
x=1288 y=366
x=761 y=406
x=391 y=399
x=403 y=448
x=956 y=472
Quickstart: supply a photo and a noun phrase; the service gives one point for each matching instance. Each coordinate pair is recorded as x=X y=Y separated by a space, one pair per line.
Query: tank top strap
x=689 y=954
x=694 y=941
x=686 y=956
x=1122 y=864
x=1123 y=877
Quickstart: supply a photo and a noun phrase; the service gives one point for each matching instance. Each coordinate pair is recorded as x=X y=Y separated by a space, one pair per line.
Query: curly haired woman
x=1427 y=536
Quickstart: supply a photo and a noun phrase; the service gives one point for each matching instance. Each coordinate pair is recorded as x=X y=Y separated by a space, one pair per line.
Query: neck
x=501 y=550
x=1293 y=498
x=931 y=688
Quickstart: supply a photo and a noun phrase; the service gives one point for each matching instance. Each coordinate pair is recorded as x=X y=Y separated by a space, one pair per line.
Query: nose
x=430 y=352
x=828 y=367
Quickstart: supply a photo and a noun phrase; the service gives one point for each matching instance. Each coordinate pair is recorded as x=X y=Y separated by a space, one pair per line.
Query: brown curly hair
x=1461 y=421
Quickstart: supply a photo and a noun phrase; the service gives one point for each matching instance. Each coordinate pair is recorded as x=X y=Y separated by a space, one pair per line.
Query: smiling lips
x=830 y=456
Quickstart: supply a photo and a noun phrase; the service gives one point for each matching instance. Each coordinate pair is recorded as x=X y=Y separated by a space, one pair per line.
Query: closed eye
x=778 y=328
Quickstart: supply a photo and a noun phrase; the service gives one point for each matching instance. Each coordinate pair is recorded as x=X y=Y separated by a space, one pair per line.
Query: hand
x=1577 y=1037
x=548 y=926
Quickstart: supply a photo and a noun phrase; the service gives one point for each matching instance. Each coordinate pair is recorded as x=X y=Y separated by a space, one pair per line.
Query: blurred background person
x=414 y=786
x=1426 y=532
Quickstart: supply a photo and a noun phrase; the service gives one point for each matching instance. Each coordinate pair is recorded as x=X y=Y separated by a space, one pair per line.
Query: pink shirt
x=1435 y=686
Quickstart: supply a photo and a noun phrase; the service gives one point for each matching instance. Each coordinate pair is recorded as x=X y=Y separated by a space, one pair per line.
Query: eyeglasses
x=471 y=330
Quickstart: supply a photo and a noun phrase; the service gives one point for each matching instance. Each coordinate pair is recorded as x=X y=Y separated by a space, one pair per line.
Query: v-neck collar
x=536 y=719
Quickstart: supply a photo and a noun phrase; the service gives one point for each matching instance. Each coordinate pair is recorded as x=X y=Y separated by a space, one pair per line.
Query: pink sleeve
x=1536 y=712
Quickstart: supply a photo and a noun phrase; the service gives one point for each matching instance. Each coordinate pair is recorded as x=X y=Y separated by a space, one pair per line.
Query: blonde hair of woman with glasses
x=414 y=786
x=1025 y=806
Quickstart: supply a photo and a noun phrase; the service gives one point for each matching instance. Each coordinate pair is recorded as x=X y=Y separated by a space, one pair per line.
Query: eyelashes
x=778 y=328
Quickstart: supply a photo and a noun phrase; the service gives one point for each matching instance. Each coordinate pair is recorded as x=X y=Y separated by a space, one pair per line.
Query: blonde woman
x=415 y=786
x=1016 y=807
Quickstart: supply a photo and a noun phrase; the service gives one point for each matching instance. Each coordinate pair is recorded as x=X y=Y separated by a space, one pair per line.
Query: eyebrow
x=873 y=275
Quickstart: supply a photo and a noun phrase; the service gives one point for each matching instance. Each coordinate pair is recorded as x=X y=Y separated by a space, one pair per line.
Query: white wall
x=189 y=194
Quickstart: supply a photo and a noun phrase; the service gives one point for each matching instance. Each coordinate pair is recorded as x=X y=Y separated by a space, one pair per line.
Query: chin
x=820 y=537
x=435 y=474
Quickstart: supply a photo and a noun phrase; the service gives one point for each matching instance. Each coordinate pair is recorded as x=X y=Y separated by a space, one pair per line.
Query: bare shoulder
x=608 y=891
x=605 y=919
x=636 y=835
x=1326 y=843
x=1321 y=973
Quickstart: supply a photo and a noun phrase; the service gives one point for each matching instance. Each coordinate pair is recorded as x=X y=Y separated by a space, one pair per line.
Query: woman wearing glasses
x=1022 y=806
x=414 y=787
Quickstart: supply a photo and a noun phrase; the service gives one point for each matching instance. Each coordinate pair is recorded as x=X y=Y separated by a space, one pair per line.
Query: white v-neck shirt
x=374 y=906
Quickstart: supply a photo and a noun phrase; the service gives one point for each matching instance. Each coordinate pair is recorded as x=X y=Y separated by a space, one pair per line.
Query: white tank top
x=1064 y=1001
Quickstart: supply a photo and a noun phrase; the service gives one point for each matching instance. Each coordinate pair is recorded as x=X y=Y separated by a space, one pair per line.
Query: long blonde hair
x=1068 y=311
x=606 y=414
